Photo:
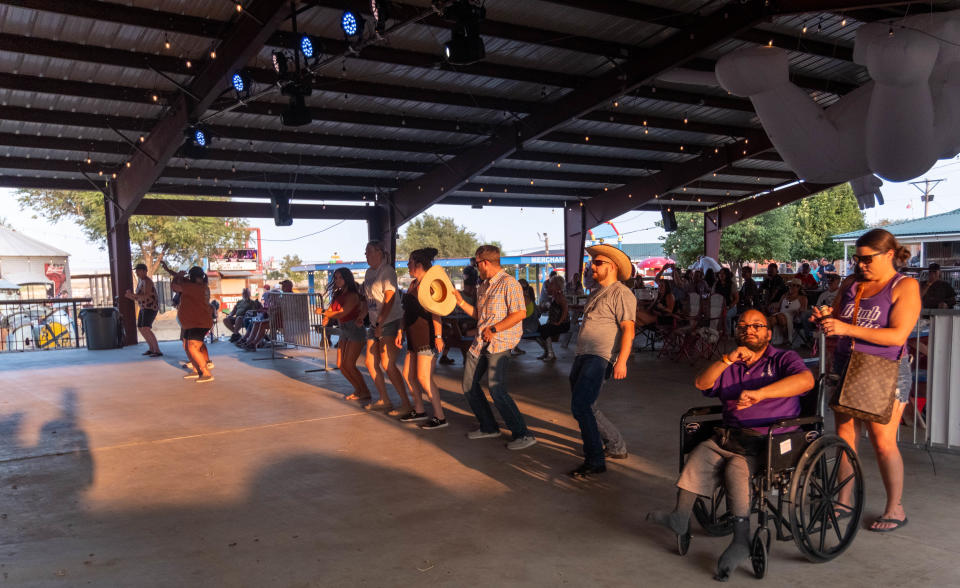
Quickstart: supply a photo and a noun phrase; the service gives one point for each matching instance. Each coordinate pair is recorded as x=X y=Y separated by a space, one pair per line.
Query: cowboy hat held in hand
x=436 y=292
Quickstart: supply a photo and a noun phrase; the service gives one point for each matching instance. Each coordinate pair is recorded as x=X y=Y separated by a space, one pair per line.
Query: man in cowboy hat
x=603 y=346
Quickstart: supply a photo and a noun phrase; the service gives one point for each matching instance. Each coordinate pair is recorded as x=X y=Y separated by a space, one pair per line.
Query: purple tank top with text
x=874 y=313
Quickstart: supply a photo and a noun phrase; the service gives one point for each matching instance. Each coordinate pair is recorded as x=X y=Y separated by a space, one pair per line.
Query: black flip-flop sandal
x=896 y=522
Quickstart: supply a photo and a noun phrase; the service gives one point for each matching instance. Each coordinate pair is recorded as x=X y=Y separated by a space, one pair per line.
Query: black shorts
x=193 y=334
x=146 y=318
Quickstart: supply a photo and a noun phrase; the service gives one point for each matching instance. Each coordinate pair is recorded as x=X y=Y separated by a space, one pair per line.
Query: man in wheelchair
x=757 y=385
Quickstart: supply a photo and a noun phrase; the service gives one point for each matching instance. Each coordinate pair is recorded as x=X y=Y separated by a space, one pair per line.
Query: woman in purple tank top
x=889 y=309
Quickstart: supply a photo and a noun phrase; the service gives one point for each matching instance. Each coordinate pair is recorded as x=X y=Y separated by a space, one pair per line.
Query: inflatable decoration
x=896 y=126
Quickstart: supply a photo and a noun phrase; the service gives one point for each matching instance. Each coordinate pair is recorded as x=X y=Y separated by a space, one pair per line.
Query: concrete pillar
x=121 y=268
x=574 y=234
x=711 y=235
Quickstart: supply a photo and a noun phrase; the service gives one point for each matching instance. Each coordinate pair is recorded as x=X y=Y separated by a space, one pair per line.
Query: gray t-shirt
x=604 y=311
x=376 y=283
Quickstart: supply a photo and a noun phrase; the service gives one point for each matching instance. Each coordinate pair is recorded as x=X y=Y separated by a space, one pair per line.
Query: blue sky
x=316 y=241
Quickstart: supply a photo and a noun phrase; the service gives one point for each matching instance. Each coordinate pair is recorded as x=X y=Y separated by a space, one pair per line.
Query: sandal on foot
x=897 y=523
x=354 y=396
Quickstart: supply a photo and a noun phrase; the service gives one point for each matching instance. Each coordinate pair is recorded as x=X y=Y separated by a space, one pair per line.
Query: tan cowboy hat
x=435 y=292
x=624 y=267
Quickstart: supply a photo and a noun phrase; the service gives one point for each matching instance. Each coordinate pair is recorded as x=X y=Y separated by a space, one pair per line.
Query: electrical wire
x=307 y=235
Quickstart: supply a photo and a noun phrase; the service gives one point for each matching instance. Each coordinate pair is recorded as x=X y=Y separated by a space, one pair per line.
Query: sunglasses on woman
x=866 y=259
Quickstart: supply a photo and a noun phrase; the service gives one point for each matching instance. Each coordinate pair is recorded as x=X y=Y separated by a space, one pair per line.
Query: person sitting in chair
x=758 y=385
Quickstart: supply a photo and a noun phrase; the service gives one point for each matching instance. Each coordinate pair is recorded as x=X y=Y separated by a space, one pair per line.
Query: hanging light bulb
x=166 y=42
x=843 y=22
x=189 y=64
x=239 y=7
x=213 y=55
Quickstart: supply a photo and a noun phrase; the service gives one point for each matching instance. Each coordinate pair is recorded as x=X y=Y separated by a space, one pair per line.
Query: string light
x=685 y=119
x=189 y=64
x=586 y=138
x=616 y=104
x=155 y=97
x=890 y=32
x=843 y=22
x=166 y=42
x=142 y=138
x=803 y=31
x=213 y=55
x=770 y=43
x=128 y=164
x=89 y=161
x=239 y=7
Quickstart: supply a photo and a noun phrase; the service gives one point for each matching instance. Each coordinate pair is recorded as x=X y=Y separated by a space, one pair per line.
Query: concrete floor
x=116 y=472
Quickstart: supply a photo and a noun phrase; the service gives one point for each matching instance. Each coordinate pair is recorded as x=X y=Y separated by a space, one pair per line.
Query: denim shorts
x=350 y=331
x=428 y=352
x=904 y=376
x=388 y=330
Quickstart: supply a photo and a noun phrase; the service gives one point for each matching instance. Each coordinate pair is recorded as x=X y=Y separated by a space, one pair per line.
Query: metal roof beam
x=734 y=213
x=216 y=208
x=415 y=196
x=607 y=205
x=237 y=46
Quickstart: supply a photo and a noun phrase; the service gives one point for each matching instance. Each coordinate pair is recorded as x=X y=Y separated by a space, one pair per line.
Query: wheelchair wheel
x=758 y=552
x=712 y=514
x=823 y=522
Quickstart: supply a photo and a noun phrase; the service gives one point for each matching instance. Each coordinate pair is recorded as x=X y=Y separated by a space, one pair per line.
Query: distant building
x=935 y=239
x=40 y=270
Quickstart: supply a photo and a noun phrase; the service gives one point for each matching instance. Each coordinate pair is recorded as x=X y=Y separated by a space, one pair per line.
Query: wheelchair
x=796 y=487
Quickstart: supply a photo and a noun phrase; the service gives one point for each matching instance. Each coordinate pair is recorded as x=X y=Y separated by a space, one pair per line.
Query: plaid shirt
x=496 y=298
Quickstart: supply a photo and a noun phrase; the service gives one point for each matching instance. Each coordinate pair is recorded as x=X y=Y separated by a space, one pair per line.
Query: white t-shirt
x=376 y=283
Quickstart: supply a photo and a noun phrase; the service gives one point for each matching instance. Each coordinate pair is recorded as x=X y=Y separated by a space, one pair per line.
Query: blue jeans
x=587 y=376
x=495 y=367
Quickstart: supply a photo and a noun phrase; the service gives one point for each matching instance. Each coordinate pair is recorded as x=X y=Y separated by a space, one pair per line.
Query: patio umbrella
x=705 y=263
x=654 y=262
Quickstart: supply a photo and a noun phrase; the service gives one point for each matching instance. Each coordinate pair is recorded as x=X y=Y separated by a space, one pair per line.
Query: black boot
x=737 y=551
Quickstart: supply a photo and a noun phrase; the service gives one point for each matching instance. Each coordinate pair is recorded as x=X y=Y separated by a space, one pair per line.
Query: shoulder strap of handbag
x=856 y=311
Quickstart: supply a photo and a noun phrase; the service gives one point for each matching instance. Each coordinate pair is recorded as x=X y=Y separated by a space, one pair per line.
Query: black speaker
x=281 y=211
x=669 y=221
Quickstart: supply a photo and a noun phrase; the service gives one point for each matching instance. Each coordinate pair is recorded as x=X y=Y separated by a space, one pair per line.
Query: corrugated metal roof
x=945 y=224
x=15 y=244
x=517 y=78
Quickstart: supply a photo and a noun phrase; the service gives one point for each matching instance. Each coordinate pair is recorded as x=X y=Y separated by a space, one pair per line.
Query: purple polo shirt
x=774 y=365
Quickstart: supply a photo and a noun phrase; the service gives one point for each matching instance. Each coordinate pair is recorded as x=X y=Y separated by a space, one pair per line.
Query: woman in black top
x=424 y=341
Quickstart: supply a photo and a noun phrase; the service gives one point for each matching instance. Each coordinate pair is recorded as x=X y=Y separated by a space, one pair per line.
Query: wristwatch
x=493 y=328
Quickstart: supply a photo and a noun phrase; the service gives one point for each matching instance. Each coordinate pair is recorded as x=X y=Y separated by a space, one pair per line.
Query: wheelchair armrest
x=797 y=422
x=703 y=410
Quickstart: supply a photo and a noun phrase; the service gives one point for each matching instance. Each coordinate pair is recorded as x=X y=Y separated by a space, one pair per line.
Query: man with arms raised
x=606 y=337
x=758 y=385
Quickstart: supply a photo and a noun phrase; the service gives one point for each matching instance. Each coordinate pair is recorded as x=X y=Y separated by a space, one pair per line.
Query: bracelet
x=724 y=359
x=438 y=336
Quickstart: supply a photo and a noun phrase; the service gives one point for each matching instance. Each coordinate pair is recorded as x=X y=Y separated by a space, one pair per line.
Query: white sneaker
x=479 y=434
x=522 y=443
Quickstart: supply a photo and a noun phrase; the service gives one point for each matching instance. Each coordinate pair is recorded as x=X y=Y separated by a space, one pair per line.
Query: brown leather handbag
x=869 y=386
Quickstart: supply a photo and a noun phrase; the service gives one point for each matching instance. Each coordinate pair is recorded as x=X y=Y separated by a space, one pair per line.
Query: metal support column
x=711 y=235
x=574 y=235
x=121 y=264
x=380 y=227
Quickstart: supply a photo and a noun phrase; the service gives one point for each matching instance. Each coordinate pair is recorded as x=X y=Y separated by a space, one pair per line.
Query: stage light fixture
x=380 y=10
x=306 y=46
x=200 y=138
x=280 y=64
x=242 y=85
x=351 y=24
x=465 y=45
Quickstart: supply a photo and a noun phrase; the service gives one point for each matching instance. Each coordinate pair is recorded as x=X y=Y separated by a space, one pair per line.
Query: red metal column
x=574 y=236
x=121 y=268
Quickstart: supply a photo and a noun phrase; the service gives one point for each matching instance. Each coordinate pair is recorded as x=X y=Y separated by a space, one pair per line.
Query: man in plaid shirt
x=499 y=311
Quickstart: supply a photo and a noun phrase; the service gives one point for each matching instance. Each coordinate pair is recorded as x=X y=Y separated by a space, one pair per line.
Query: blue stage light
x=200 y=138
x=238 y=83
x=306 y=46
x=349 y=23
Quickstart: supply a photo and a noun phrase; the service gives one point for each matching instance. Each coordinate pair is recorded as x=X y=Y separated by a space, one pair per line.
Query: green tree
x=765 y=236
x=154 y=238
x=286 y=272
x=443 y=233
x=817 y=217
x=5 y=223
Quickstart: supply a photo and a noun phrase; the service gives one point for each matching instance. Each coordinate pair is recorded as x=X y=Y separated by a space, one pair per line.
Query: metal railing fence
x=41 y=324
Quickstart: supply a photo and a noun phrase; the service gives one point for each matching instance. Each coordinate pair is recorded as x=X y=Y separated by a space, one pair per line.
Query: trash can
x=100 y=325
